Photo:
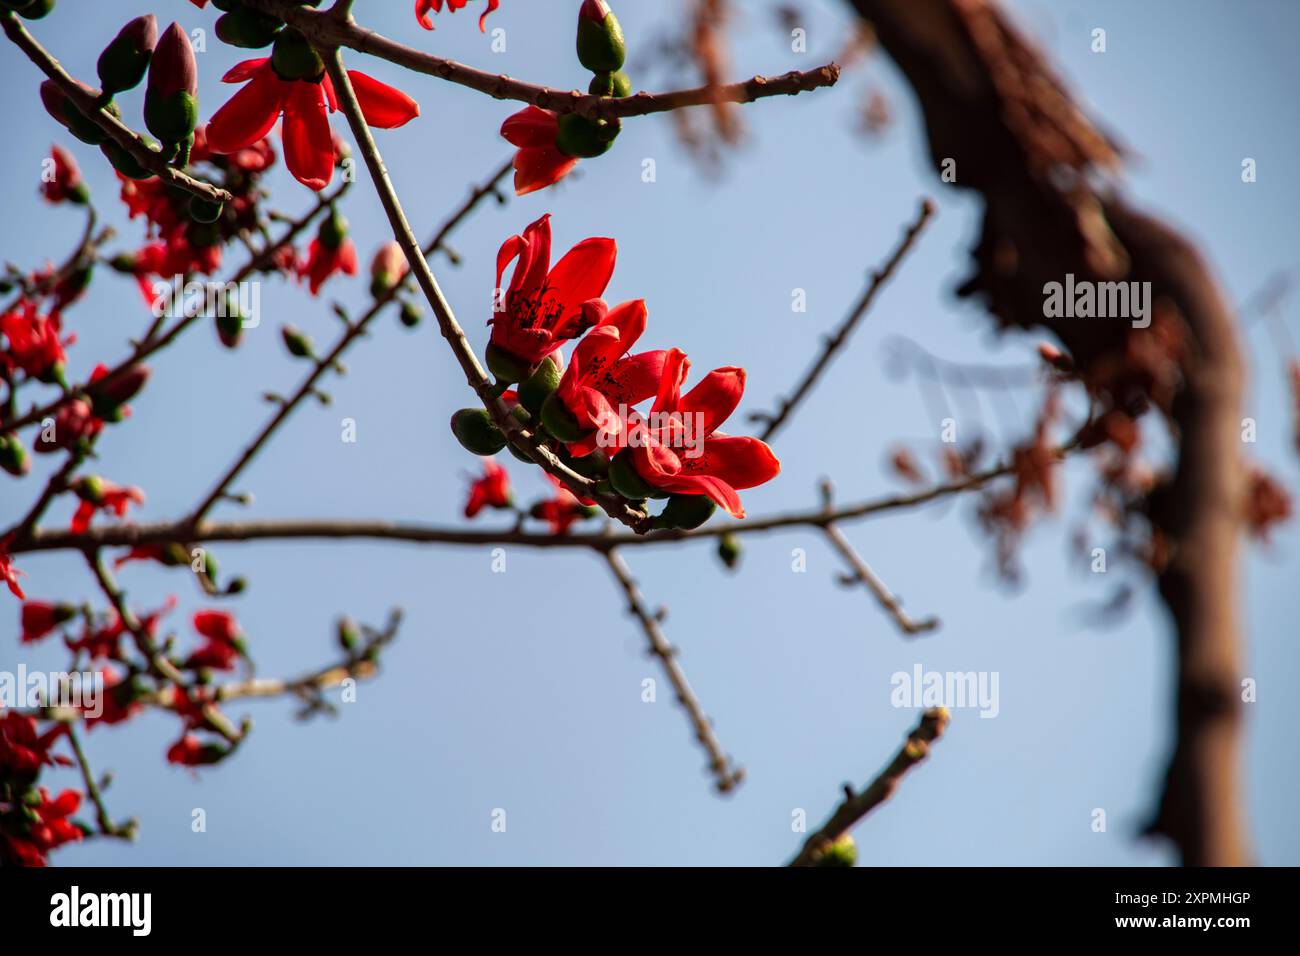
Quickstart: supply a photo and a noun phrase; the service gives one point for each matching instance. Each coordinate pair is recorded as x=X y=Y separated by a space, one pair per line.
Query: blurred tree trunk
x=993 y=107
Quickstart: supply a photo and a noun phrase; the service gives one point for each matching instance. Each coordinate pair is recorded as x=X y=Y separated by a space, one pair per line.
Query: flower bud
x=410 y=315
x=843 y=852
x=539 y=386
x=247 y=28
x=124 y=162
x=584 y=138
x=686 y=512
x=230 y=328
x=610 y=84
x=124 y=61
x=333 y=230
x=627 y=481
x=559 y=421
x=13 y=456
x=297 y=342
x=387 y=269
x=107 y=399
x=171 y=105
x=477 y=433
x=58 y=105
x=294 y=58
x=33 y=9
x=729 y=550
x=349 y=637
x=89 y=489
x=601 y=48
x=506 y=367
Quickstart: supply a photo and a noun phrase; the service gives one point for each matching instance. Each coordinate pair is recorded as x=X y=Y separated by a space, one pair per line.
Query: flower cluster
x=586 y=411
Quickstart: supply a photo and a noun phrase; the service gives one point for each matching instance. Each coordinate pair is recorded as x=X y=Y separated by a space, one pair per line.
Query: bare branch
x=863 y=574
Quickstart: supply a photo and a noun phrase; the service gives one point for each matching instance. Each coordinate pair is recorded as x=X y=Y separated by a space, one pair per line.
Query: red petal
x=635 y=378
x=248 y=115
x=676 y=366
x=582 y=274
x=308 y=146
x=716 y=396
x=540 y=167
x=741 y=462
x=246 y=70
x=383 y=106
x=531 y=127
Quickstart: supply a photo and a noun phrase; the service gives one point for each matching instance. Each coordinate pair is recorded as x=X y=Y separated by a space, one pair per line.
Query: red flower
x=73 y=422
x=490 y=491
x=190 y=751
x=66 y=186
x=119 y=700
x=545 y=306
x=330 y=252
x=34 y=343
x=598 y=380
x=712 y=464
x=218 y=626
x=422 y=8
x=52 y=829
x=39 y=618
x=308 y=143
x=225 y=641
x=8 y=573
x=24 y=750
x=539 y=162
x=563 y=510
x=99 y=495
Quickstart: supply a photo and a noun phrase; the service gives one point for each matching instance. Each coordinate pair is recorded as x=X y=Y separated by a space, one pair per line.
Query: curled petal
x=308 y=145
x=384 y=106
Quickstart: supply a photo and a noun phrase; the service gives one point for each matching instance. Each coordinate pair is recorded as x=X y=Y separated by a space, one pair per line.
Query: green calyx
x=124 y=162
x=477 y=433
x=247 y=28
x=686 y=512
x=617 y=84
x=122 y=65
x=601 y=47
x=294 y=58
x=410 y=315
x=560 y=422
x=538 y=387
x=35 y=9
x=627 y=481
x=585 y=138
x=729 y=550
x=333 y=230
x=171 y=117
x=297 y=342
x=13 y=456
x=203 y=210
x=506 y=367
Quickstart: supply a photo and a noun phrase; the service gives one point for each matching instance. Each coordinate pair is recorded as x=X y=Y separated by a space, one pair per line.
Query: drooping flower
x=679 y=449
x=492 y=490
x=65 y=183
x=602 y=382
x=8 y=573
x=50 y=829
x=539 y=162
x=75 y=421
x=544 y=306
x=305 y=103
x=562 y=510
x=40 y=618
x=330 y=252
x=422 y=8
x=96 y=494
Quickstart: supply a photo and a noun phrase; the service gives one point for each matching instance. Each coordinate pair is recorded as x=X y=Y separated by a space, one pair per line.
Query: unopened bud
x=686 y=512
x=171 y=104
x=124 y=61
x=538 y=387
x=477 y=433
x=13 y=456
x=294 y=58
x=601 y=47
x=247 y=28
x=297 y=342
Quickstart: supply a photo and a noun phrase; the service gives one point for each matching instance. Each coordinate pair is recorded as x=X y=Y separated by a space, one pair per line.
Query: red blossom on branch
x=539 y=162
x=40 y=618
x=66 y=184
x=8 y=573
x=492 y=490
x=544 y=306
x=679 y=449
x=96 y=494
x=305 y=104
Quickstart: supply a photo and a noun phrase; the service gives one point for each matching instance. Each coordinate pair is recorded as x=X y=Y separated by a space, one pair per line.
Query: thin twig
x=858 y=805
x=727 y=776
x=122 y=831
x=834 y=342
x=862 y=573
x=328 y=31
x=88 y=105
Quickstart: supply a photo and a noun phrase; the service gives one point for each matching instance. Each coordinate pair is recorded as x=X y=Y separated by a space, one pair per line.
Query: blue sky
x=522 y=691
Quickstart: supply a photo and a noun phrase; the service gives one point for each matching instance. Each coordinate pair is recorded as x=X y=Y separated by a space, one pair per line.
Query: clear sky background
x=522 y=690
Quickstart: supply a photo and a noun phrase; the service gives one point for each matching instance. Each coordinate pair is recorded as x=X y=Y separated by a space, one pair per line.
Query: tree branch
x=89 y=106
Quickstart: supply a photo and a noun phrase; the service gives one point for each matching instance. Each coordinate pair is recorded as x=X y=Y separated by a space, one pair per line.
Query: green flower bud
x=584 y=138
x=13 y=456
x=559 y=421
x=729 y=550
x=237 y=586
x=628 y=482
x=171 y=101
x=294 y=58
x=843 y=852
x=248 y=28
x=333 y=230
x=89 y=489
x=203 y=210
x=686 y=512
x=36 y=9
x=505 y=366
x=601 y=47
x=349 y=635
x=297 y=342
x=124 y=61
x=230 y=328
x=410 y=315
x=611 y=84
x=539 y=386
x=475 y=430
x=124 y=162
